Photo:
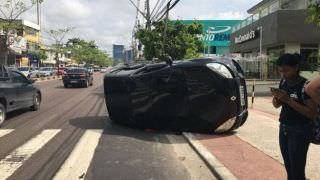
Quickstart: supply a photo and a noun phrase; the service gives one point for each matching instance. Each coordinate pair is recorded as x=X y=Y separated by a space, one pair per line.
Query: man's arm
x=313 y=89
x=309 y=109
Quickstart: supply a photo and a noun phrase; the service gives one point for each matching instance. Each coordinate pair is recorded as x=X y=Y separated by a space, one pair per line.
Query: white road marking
x=14 y=160
x=78 y=162
x=4 y=132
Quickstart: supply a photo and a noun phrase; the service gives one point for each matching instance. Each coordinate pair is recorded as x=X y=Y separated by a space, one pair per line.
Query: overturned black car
x=201 y=95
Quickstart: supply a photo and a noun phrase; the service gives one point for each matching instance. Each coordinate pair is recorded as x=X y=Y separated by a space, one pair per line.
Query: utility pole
x=148 y=16
x=39 y=13
x=165 y=28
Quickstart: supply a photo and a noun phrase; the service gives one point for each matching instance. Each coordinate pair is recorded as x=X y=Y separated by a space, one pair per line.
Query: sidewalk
x=253 y=151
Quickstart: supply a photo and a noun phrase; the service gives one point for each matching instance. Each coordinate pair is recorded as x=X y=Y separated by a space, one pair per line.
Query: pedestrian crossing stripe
x=79 y=160
x=4 y=132
x=14 y=160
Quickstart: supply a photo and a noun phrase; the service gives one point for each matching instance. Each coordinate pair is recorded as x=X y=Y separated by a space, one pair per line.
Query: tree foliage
x=40 y=54
x=314 y=12
x=180 y=40
x=87 y=52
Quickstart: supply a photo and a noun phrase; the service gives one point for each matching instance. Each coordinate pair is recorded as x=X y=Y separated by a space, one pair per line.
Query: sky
x=110 y=22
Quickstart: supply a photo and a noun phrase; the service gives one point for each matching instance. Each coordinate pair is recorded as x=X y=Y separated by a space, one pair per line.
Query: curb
x=43 y=79
x=212 y=162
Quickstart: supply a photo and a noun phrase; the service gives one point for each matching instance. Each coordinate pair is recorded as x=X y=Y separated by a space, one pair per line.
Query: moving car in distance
x=47 y=71
x=205 y=95
x=17 y=92
x=77 y=77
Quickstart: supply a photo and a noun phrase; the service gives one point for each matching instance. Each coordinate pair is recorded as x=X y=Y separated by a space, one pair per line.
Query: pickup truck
x=17 y=92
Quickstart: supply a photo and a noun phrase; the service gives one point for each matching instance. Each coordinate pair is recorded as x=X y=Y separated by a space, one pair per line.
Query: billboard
x=215 y=32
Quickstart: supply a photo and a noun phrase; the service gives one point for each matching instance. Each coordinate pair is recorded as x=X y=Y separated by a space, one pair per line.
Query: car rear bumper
x=74 y=81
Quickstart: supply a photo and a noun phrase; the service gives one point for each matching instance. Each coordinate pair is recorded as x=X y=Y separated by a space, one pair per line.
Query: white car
x=47 y=71
x=29 y=72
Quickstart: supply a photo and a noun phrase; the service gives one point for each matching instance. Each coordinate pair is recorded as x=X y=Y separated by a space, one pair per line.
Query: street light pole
x=260 y=54
x=260 y=51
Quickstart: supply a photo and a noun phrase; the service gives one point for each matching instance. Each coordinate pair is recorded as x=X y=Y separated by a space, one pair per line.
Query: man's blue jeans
x=294 y=143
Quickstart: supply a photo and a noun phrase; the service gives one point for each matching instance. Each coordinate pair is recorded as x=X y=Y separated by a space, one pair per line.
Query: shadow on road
x=16 y=113
x=112 y=129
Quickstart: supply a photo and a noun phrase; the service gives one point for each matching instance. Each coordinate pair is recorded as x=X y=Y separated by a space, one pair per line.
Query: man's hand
x=282 y=96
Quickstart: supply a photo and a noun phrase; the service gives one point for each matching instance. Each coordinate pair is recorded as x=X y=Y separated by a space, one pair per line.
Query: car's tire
x=91 y=84
x=86 y=84
x=36 y=102
x=2 y=114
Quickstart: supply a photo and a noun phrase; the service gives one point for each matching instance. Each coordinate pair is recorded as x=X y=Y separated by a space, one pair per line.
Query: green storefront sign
x=216 y=33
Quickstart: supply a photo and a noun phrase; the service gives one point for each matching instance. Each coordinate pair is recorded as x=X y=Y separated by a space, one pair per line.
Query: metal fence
x=261 y=68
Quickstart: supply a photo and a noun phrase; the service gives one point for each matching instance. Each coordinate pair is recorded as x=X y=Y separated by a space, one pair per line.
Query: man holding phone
x=296 y=116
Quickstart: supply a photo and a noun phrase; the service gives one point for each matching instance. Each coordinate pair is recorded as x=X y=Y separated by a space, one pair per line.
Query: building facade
x=276 y=27
x=215 y=35
x=118 y=52
x=23 y=39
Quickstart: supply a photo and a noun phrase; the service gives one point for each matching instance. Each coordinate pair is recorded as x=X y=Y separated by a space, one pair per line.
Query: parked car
x=17 y=92
x=77 y=76
x=104 y=69
x=47 y=71
x=30 y=72
x=201 y=95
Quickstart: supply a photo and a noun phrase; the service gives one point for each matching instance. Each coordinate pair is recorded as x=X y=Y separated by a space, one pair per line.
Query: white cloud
x=111 y=21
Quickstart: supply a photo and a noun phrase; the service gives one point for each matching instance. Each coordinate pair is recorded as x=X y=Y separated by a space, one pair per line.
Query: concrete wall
x=292 y=48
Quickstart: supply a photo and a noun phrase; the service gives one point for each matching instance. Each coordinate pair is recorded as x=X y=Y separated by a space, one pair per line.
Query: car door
x=25 y=89
x=8 y=90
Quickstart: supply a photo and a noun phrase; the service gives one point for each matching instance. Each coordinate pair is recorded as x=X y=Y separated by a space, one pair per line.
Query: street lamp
x=260 y=55
x=260 y=51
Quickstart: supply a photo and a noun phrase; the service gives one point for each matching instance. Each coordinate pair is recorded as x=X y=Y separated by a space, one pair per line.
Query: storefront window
x=310 y=56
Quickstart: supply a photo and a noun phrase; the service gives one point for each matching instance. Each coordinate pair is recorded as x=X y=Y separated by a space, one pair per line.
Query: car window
x=76 y=71
x=18 y=78
x=3 y=74
x=23 y=69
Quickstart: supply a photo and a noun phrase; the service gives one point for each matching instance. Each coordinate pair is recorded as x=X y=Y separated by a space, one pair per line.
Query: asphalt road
x=71 y=137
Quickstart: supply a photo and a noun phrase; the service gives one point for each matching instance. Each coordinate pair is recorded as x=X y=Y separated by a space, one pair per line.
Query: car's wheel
x=86 y=84
x=91 y=84
x=36 y=102
x=2 y=114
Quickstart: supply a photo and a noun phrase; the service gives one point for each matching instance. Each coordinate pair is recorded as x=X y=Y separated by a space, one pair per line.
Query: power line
x=168 y=9
x=160 y=10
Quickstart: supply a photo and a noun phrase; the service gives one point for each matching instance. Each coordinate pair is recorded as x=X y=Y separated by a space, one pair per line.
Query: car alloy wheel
x=2 y=114
x=36 y=102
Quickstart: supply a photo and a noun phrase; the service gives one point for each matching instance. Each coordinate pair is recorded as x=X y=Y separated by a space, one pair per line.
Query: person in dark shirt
x=296 y=116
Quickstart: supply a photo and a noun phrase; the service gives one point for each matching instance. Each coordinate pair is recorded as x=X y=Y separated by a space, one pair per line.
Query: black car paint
x=16 y=91
x=186 y=96
x=72 y=77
